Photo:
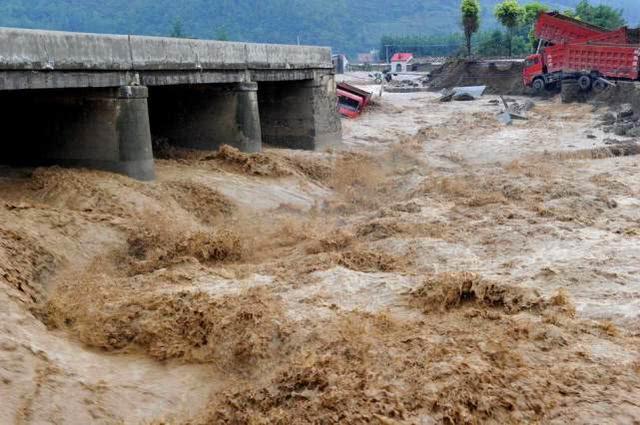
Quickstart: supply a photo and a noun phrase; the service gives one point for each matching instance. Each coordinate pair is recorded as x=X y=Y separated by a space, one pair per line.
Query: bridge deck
x=33 y=59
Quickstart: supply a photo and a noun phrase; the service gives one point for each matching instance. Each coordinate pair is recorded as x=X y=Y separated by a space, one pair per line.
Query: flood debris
x=407 y=83
x=514 y=110
x=623 y=121
x=462 y=93
x=505 y=118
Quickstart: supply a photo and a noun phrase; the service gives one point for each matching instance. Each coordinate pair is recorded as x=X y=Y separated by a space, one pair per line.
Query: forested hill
x=346 y=25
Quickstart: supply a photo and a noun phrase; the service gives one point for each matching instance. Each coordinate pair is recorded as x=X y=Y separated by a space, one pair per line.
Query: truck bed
x=560 y=29
x=609 y=60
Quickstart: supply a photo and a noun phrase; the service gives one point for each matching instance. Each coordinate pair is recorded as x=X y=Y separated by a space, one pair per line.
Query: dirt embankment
x=620 y=93
x=500 y=77
x=623 y=92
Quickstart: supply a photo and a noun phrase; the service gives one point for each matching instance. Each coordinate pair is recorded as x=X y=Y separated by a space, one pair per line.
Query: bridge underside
x=105 y=129
x=206 y=116
x=31 y=80
x=110 y=123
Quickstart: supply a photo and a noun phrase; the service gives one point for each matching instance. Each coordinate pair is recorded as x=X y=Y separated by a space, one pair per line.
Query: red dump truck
x=351 y=100
x=572 y=50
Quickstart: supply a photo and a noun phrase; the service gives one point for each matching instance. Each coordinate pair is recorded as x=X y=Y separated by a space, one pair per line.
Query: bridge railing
x=36 y=50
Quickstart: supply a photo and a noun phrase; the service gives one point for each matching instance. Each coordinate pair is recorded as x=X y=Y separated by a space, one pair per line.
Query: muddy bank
x=623 y=92
x=500 y=77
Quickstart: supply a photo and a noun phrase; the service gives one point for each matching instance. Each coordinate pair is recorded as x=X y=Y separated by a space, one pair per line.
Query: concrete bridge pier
x=299 y=114
x=135 y=153
x=247 y=120
x=207 y=116
x=105 y=129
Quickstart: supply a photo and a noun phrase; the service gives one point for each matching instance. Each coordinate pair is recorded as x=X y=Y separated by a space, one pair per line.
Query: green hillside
x=346 y=25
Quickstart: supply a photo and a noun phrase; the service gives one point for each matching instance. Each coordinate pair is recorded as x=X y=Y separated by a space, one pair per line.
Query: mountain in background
x=347 y=25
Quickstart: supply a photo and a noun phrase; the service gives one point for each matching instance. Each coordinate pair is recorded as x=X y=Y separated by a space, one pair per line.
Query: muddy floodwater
x=440 y=268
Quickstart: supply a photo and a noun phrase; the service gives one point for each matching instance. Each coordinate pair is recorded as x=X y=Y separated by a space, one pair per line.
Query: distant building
x=340 y=63
x=401 y=62
x=367 y=58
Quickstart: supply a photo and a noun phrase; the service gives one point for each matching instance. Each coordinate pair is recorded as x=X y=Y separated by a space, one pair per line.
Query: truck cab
x=349 y=104
x=351 y=100
x=533 y=72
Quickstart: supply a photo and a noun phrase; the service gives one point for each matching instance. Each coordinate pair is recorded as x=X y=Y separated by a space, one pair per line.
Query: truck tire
x=599 y=86
x=584 y=82
x=538 y=85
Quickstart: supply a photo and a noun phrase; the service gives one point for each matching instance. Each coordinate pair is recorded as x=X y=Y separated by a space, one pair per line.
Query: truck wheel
x=584 y=82
x=538 y=85
x=599 y=85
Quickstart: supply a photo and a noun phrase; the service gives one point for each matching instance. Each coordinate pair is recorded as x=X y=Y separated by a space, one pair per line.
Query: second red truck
x=573 y=50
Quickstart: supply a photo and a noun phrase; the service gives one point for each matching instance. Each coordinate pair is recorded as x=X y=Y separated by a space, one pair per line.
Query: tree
x=520 y=46
x=531 y=13
x=491 y=44
x=509 y=13
x=470 y=20
x=601 y=15
x=177 y=30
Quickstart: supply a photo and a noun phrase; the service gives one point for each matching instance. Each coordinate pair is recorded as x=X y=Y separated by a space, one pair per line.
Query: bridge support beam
x=207 y=116
x=105 y=129
x=248 y=117
x=300 y=114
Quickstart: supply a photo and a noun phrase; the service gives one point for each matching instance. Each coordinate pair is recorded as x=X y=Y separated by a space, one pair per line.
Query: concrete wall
x=49 y=50
x=31 y=59
x=399 y=67
x=105 y=129
x=299 y=115
x=63 y=51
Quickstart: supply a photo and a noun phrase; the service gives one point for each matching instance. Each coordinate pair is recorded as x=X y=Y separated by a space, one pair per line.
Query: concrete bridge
x=97 y=101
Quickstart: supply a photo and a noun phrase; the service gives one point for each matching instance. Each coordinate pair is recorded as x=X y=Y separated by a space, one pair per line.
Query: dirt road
x=442 y=268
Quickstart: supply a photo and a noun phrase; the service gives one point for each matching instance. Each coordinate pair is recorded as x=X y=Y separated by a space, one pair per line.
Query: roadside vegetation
x=480 y=37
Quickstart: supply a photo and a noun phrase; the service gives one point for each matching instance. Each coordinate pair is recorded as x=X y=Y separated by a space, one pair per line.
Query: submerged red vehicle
x=573 y=50
x=351 y=100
